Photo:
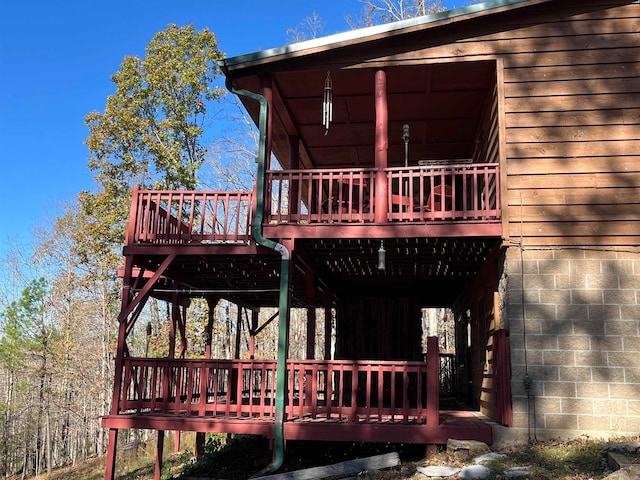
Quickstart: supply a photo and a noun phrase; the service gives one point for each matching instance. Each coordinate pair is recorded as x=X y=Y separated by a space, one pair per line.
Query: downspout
x=281 y=369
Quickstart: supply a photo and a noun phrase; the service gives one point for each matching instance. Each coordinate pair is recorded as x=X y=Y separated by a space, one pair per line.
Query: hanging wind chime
x=327 y=104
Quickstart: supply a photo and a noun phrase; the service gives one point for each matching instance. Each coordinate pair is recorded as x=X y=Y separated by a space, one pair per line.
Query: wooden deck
x=325 y=400
x=451 y=200
x=430 y=193
x=458 y=424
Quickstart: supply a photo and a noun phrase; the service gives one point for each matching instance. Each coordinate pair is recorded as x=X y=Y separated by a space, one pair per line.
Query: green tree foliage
x=25 y=330
x=151 y=132
x=26 y=349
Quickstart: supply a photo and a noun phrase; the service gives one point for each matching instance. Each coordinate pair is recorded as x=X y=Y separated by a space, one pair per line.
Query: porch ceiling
x=435 y=270
x=441 y=103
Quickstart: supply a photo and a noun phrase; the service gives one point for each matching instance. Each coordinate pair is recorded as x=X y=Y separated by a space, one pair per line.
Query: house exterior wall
x=569 y=109
x=571 y=145
x=578 y=338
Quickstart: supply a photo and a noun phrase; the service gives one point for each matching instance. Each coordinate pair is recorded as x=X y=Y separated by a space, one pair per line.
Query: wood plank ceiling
x=441 y=103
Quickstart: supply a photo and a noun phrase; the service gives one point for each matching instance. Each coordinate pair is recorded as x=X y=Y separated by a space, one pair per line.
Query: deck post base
x=110 y=470
x=199 y=447
x=176 y=442
x=159 y=449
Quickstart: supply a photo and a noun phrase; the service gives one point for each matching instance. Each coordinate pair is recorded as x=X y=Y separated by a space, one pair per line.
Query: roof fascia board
x=363 y=35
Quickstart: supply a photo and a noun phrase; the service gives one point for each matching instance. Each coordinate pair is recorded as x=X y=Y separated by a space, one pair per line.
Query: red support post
x=381 y=146
x=110 y=470
x=311 y=315
x=182 y=327
x=433 y=382
x=266 y=85
x=211 y=304
x=159 y=448
x=176 y=442
x=294 y=164
x=133 y=217
x=236 y=353
x=254 y=327
x=327 y=325
x=199 y=447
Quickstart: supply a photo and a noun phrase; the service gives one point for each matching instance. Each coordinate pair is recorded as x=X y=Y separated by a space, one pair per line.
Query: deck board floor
x=462 y=425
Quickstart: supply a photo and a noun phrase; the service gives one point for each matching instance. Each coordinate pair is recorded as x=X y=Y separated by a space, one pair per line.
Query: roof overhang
x=366 y=35
x=442 y=102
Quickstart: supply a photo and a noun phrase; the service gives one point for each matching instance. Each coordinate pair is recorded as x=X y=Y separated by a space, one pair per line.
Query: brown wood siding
x=573 y=131
x=571 y=116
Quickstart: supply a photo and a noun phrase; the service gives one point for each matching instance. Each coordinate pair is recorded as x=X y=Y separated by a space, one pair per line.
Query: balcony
x=461 y=194
x=347 y=391
x=161 y=217
x=334 y=399
x=430 y=193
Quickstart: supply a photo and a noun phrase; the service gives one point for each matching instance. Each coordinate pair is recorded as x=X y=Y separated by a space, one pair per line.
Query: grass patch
x=556 y=460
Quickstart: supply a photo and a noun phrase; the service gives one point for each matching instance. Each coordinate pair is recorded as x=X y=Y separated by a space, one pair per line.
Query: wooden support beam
x=294 y=164
x=127 y=294
x=496 y=311
x=176 y=441
x=135 y=315
x=266 y=86
x=381 y=146
x=264 y=325
x=159 y=448
x=117 y=376
x=182 y=328
x=175 y=313
x=236 y=352
x=211 y=304
x=254 y=327
x=433 y=382
x=303 y=257
x=110 y=470
x=199 y=447
x=126 y=310
x=311 y=314
x=327 y=325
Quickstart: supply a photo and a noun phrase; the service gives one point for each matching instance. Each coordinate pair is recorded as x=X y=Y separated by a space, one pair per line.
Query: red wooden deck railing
x=320 y=196
x=161 y=216
x=462 y=191
x=466 y=192
x=347 y=391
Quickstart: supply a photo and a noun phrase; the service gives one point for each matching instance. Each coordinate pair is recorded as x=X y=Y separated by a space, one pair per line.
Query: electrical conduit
x=283 y=323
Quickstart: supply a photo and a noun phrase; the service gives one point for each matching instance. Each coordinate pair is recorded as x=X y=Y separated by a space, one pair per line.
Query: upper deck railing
x=183 y=217
x=462 y=191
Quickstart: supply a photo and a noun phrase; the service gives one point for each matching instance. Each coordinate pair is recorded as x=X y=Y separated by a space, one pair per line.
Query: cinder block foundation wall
x=577 y=335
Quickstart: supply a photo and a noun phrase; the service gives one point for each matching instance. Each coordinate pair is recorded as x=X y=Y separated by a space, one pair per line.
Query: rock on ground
x=517 y=472
x=475 y=472
x=436 y=471
x=627 y=473
x=487 y=457
x=465 y=449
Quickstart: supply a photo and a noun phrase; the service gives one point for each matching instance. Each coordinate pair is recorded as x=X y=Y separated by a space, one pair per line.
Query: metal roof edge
x=368 y=31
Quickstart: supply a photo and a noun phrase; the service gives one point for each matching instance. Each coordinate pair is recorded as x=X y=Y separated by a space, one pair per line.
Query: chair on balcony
x=400 y=203
x=442 y=194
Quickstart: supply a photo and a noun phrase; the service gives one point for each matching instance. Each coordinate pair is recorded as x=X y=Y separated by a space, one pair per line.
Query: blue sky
x=56 y=62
